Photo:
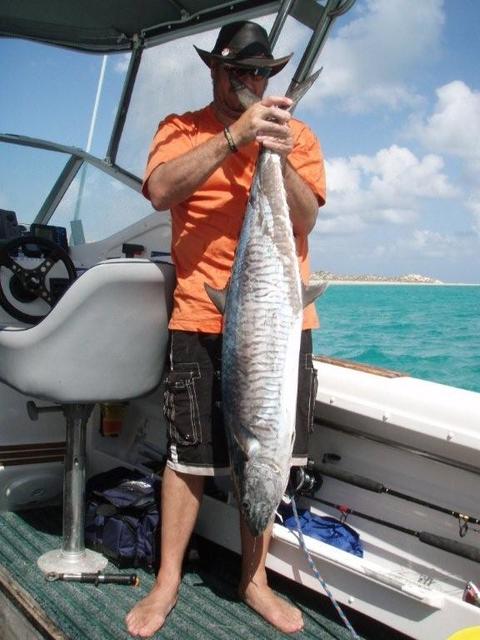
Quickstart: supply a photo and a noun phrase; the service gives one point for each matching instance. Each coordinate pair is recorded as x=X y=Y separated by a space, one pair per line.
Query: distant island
x=410 y=278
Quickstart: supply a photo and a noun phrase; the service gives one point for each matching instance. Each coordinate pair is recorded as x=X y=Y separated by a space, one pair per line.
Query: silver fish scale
x=264 y=306
x=261 y=340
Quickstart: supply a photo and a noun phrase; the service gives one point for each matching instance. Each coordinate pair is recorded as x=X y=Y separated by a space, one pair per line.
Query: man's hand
x=266 y=122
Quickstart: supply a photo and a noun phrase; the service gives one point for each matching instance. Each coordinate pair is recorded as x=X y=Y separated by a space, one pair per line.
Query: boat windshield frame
x=318 y=18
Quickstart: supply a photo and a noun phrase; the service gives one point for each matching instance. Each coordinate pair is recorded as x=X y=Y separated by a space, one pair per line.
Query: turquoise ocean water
x=429 y=332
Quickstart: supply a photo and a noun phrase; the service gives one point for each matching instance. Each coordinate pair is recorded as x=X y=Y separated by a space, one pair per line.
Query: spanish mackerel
x=263 y=315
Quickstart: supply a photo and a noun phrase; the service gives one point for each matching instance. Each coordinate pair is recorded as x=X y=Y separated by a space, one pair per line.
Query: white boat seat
x=105 y=340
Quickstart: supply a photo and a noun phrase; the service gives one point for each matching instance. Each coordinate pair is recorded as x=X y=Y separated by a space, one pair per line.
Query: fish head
x=260 y=491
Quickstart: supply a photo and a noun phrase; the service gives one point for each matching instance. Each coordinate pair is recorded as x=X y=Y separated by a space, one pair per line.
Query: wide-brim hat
x=244 y=44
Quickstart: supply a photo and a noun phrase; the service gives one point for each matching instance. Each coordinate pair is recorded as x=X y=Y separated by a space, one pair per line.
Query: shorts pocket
x=180 y=405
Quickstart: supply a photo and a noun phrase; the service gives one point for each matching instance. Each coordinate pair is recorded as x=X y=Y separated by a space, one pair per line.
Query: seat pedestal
x=73 y=557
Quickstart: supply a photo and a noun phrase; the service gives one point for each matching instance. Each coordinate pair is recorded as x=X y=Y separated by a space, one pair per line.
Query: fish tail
x=297 y=90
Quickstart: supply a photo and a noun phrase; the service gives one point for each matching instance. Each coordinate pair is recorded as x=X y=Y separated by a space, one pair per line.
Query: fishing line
x=316 y=573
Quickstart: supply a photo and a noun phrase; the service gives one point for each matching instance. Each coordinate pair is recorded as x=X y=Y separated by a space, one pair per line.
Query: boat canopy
x=116 y=25
x=113 y=25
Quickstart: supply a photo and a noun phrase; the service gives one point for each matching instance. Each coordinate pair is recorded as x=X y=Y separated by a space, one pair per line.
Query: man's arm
x=176 y=180
x=302 y=202
x=267 y=122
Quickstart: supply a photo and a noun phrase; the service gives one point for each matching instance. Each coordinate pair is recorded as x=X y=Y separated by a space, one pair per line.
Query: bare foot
x=275 y=610
x=149 y=615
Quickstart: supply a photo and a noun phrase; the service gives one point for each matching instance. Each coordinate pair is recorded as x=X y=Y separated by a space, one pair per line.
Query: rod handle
x=452 y=546
x=351 y=478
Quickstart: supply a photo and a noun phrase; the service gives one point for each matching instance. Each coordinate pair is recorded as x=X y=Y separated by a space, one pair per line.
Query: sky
x=396 y=108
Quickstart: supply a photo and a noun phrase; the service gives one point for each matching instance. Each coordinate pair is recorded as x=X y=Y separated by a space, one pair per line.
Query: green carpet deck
x=208 y=608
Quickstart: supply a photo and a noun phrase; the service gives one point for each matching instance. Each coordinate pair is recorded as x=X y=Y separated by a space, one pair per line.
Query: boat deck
x=207 y=609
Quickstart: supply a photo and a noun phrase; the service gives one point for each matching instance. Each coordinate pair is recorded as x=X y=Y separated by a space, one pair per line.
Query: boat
x=394 y=457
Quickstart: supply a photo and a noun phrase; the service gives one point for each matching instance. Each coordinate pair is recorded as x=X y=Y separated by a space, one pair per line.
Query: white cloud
x=371 y=60
x=340 y=225
x=121 y=63
x=388 y=187
x=434 y=244
x=454 y=126
x=453 y=129
x=397 y=172
x=433 y=253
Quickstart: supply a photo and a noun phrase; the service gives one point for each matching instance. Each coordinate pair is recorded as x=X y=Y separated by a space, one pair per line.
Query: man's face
x=225 y=96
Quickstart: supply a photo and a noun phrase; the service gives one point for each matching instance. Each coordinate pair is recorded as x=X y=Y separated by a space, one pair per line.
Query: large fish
x=263 y=314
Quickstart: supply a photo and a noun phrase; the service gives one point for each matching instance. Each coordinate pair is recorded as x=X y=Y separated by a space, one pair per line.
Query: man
x=201 y=166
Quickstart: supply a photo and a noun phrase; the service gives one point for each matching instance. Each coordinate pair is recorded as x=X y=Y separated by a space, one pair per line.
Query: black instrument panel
x=10 y=229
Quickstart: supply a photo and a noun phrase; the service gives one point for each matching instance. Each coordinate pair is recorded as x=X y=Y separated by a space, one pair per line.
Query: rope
x=316 y=573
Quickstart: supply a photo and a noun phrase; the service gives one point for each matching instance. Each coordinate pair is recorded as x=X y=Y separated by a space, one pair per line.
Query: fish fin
x=247 y=442
x=217 y=296
x=297 y=90
x=311 y=292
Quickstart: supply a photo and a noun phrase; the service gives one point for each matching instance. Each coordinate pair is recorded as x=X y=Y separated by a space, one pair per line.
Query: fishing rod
x=394 y=444
x=451 y=546
x=378 y=487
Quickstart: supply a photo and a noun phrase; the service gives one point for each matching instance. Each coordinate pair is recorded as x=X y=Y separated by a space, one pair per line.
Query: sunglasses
x=253 y=72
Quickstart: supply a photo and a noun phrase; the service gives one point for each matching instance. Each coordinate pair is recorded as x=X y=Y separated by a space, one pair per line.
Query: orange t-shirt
x=206 y=226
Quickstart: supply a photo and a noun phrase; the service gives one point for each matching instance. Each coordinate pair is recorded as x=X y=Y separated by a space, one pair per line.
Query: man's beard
x=232 y=110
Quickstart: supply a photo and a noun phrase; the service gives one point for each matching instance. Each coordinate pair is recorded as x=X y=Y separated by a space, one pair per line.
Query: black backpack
x=122 y=517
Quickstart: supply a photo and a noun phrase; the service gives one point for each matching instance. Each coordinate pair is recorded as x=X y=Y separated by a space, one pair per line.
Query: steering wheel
x=28 y=285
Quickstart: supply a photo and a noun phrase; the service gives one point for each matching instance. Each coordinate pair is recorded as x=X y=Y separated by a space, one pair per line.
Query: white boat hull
x=398 y=431
x=419 y=438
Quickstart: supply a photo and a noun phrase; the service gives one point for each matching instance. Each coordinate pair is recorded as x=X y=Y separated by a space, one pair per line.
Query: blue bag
x=122 y=517
x=326 y=529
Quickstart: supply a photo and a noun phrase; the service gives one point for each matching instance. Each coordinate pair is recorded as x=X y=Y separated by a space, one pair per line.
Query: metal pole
x=97 y=102
x=122 y=110
x=72 y=557
x=280 y=21
x=333 y=8
x=74 y=487
x=78 y=236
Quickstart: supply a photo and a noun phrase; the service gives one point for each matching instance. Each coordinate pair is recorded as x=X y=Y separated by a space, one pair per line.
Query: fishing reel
x=304 y=481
